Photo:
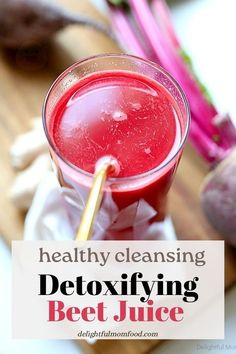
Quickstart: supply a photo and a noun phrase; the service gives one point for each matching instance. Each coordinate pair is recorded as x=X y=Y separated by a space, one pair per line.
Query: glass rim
x=128 y=56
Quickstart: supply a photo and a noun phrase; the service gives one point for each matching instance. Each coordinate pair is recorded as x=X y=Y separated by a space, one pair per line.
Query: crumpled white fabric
x=47 y=219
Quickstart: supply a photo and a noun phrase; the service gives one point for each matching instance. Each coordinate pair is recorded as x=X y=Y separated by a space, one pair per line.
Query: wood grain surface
x=25 y=77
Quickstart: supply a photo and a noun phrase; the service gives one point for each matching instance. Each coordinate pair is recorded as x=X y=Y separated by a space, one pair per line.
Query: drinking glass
x=131 y=206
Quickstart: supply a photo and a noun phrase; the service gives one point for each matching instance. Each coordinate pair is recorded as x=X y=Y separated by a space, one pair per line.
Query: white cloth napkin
x=47 y=217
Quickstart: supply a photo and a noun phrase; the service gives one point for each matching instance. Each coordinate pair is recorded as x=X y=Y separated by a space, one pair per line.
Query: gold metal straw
x=105 y=166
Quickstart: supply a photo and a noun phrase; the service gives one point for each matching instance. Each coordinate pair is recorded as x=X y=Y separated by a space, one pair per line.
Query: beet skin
x=218 y=198
x=29 y=22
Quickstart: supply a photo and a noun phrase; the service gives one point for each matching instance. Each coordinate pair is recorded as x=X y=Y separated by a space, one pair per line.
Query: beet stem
x=86 y=21
x=206 y=148
x=125 y=32
x=170 y=59
x=162 y=12
x=227 y=128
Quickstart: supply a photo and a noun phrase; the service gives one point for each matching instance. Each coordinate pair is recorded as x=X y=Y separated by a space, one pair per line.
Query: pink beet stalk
x=206 y=148
x=169 y=58
x=163 y=15
x=125 y=33
x=227 y=128
x=202 y=130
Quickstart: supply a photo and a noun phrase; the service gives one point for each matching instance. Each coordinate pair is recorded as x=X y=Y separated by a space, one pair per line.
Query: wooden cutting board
x=25 y=78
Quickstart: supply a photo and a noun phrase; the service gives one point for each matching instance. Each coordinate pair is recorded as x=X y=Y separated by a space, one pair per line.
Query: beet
x=218 y=198
x=29 y=22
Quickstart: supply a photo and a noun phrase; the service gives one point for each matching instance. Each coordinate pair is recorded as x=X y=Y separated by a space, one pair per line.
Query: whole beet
x=26 y=22
x=218 y=198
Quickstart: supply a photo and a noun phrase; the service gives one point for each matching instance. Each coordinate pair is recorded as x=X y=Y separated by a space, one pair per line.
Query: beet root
x=29 y=22
x=218 y=198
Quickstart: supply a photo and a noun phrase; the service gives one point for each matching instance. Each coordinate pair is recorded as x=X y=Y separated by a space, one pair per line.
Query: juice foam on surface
x=125 y=115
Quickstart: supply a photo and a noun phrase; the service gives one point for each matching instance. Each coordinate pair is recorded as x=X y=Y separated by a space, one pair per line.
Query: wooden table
x=24 y=81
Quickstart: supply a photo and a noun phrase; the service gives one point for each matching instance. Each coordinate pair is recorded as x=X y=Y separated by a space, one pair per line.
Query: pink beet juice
x=129 y=114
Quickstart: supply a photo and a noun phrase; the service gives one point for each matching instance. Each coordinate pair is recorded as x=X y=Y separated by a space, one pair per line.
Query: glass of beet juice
x=128 y=108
